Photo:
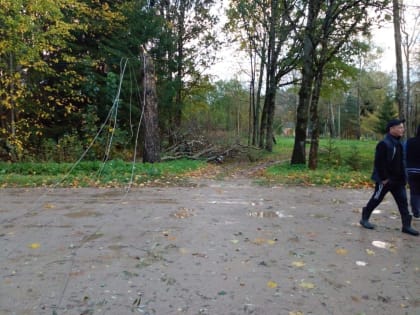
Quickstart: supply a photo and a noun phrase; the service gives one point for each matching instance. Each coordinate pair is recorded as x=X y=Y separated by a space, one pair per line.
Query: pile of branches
x=201 y=149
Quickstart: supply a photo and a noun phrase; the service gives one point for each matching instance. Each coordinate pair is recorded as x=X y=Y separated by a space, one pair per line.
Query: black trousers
x=399 y=193
x=414 y=182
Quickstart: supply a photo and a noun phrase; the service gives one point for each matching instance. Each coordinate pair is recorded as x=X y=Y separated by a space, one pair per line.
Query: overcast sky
x=231 y=61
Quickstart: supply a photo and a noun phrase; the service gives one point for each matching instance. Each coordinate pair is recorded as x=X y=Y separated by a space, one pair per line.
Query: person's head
x=395 y=127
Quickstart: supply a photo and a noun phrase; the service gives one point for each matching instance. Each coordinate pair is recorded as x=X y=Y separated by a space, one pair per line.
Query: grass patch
x=341 y=163
x=113 y=173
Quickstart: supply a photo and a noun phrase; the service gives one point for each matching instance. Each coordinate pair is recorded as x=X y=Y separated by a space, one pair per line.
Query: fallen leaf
x=271 y=242
x=370 y=252
x=35 y=245
x=296 y=313
x=259 y=241
x=235 y=241
x=298 y=264
x=49 y=206
x=307 y=285
x=341 y=251
x=272 y=284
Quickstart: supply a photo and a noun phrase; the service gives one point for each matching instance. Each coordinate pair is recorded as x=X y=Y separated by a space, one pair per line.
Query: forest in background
x=71 y=75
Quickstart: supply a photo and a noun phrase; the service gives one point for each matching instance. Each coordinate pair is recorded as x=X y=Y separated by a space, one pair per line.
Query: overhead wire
x=74 y=254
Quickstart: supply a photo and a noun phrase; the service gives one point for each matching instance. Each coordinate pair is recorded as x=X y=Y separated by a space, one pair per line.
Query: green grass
x=110 y=174
x=341 y=163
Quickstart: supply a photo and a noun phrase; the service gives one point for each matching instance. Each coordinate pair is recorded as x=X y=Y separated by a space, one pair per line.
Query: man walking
x=389 y=176
x=413 y=171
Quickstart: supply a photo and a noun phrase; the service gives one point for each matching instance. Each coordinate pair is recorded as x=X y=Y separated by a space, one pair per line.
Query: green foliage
x=352 y=170
x=94 y=173
x=387 y=112
x=354 y=159
x=330 y=154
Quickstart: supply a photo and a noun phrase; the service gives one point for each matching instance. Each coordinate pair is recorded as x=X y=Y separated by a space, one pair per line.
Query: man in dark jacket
x=389 y=176
x=413 y=171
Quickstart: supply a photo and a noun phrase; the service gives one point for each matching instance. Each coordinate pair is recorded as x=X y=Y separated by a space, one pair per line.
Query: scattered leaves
x=183 y=213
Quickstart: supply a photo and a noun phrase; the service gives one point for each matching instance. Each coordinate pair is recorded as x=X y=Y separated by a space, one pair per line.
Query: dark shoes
x=366 y=224
x=406 y=227
x=410 y=230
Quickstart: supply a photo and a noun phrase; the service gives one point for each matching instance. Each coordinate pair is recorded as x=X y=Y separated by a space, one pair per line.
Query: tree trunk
x=150 y=124
x=399 y=95
x=259 y=89
x=269 y=103
x=299 y=154
x=313 y=151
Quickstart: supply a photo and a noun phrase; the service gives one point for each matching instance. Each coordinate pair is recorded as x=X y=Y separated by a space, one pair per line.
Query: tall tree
x=190 y=37
x=308 y=57
x=409 y=41
x=399 y=92
x=330 y=34
x=247 y=26
x=150 y=123
x=33 y=34
x=271 y=26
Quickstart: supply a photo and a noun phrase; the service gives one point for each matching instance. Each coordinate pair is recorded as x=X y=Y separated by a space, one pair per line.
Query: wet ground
x=218 y=247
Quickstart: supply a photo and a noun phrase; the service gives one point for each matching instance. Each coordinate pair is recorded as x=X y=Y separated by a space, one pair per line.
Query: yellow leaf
x=370 y=252
x=35 y=245
x=295 y=313
x=271 y=284
x=271 y=242
x=298 y=264
x=307 y=285
x=259 y=241
x=49 y=206
x=183 y=251
x=341 y=251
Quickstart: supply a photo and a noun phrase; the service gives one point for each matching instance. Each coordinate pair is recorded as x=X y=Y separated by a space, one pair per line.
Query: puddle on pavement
x=82 y=214
x=230 y=202
x=266 y=214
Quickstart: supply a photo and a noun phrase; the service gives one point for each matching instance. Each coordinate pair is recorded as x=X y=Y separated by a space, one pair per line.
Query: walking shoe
x=416 y=217
x=410 y=230
x=366 y=224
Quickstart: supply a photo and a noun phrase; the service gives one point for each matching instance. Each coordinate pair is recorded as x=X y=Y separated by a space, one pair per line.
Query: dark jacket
x=413 y=153
x=389 y=161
